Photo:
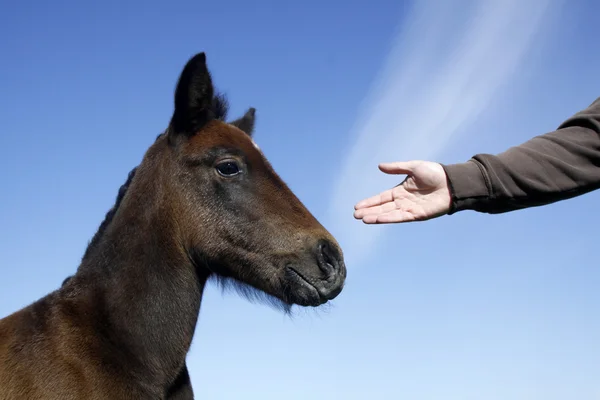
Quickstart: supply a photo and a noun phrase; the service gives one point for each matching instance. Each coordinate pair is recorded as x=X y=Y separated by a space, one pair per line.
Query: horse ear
x=193 y=97
x=246 y=123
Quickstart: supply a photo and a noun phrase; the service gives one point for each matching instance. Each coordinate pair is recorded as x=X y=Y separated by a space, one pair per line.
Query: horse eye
x=228 y=168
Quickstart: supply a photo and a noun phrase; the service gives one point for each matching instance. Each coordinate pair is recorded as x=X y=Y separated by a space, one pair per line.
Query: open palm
x=423 y=195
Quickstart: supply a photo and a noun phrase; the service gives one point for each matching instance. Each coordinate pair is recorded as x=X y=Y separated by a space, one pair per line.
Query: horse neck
x=149 y=288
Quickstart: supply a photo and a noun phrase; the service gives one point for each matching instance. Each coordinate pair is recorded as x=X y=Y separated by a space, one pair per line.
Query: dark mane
x=109 y=215
x=220 y=106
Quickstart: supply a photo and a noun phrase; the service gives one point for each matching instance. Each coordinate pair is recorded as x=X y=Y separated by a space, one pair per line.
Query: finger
x=395 y=216
x=398 y=167
x=377 y=210
x=376 y=200
x=360 y=213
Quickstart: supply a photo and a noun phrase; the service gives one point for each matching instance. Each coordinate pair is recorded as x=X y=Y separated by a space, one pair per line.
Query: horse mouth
x=304 y=292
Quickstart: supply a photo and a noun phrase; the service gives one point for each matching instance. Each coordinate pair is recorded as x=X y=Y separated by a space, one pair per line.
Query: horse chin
x=301 y=291
x=294 y=290
x=290 y=284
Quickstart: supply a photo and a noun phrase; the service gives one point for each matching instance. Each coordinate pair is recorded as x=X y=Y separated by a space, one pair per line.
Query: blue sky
x=470 y=306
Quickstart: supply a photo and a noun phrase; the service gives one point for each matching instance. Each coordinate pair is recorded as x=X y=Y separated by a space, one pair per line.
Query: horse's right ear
x=193 y=98
x=246 y=122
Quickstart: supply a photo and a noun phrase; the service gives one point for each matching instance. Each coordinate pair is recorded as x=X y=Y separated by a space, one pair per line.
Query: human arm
x=556 y=166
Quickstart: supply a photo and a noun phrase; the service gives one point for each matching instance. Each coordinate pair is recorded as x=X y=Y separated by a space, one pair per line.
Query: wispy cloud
x=446 y=65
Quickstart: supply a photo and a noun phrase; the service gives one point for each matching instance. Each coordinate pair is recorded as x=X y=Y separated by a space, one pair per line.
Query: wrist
x=467 y=184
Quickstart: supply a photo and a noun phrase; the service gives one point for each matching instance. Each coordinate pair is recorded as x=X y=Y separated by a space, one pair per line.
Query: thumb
x=398 y=167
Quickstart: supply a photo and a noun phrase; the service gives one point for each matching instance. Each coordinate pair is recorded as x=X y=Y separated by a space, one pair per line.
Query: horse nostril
x=328 y=258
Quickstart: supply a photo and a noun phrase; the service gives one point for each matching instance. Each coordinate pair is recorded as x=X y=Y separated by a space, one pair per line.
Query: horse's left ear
x=193 y=97
x=246 y=123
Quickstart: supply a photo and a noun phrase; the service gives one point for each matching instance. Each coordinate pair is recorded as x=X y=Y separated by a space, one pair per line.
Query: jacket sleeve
x=555 y=166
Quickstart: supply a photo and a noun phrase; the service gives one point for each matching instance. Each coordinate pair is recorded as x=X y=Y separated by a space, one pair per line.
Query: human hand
x=423 y=195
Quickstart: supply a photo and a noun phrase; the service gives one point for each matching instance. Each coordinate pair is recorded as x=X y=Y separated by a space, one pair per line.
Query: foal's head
x=234 y=217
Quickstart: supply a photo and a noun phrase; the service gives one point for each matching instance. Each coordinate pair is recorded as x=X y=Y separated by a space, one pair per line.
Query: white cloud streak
x=446 y=65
